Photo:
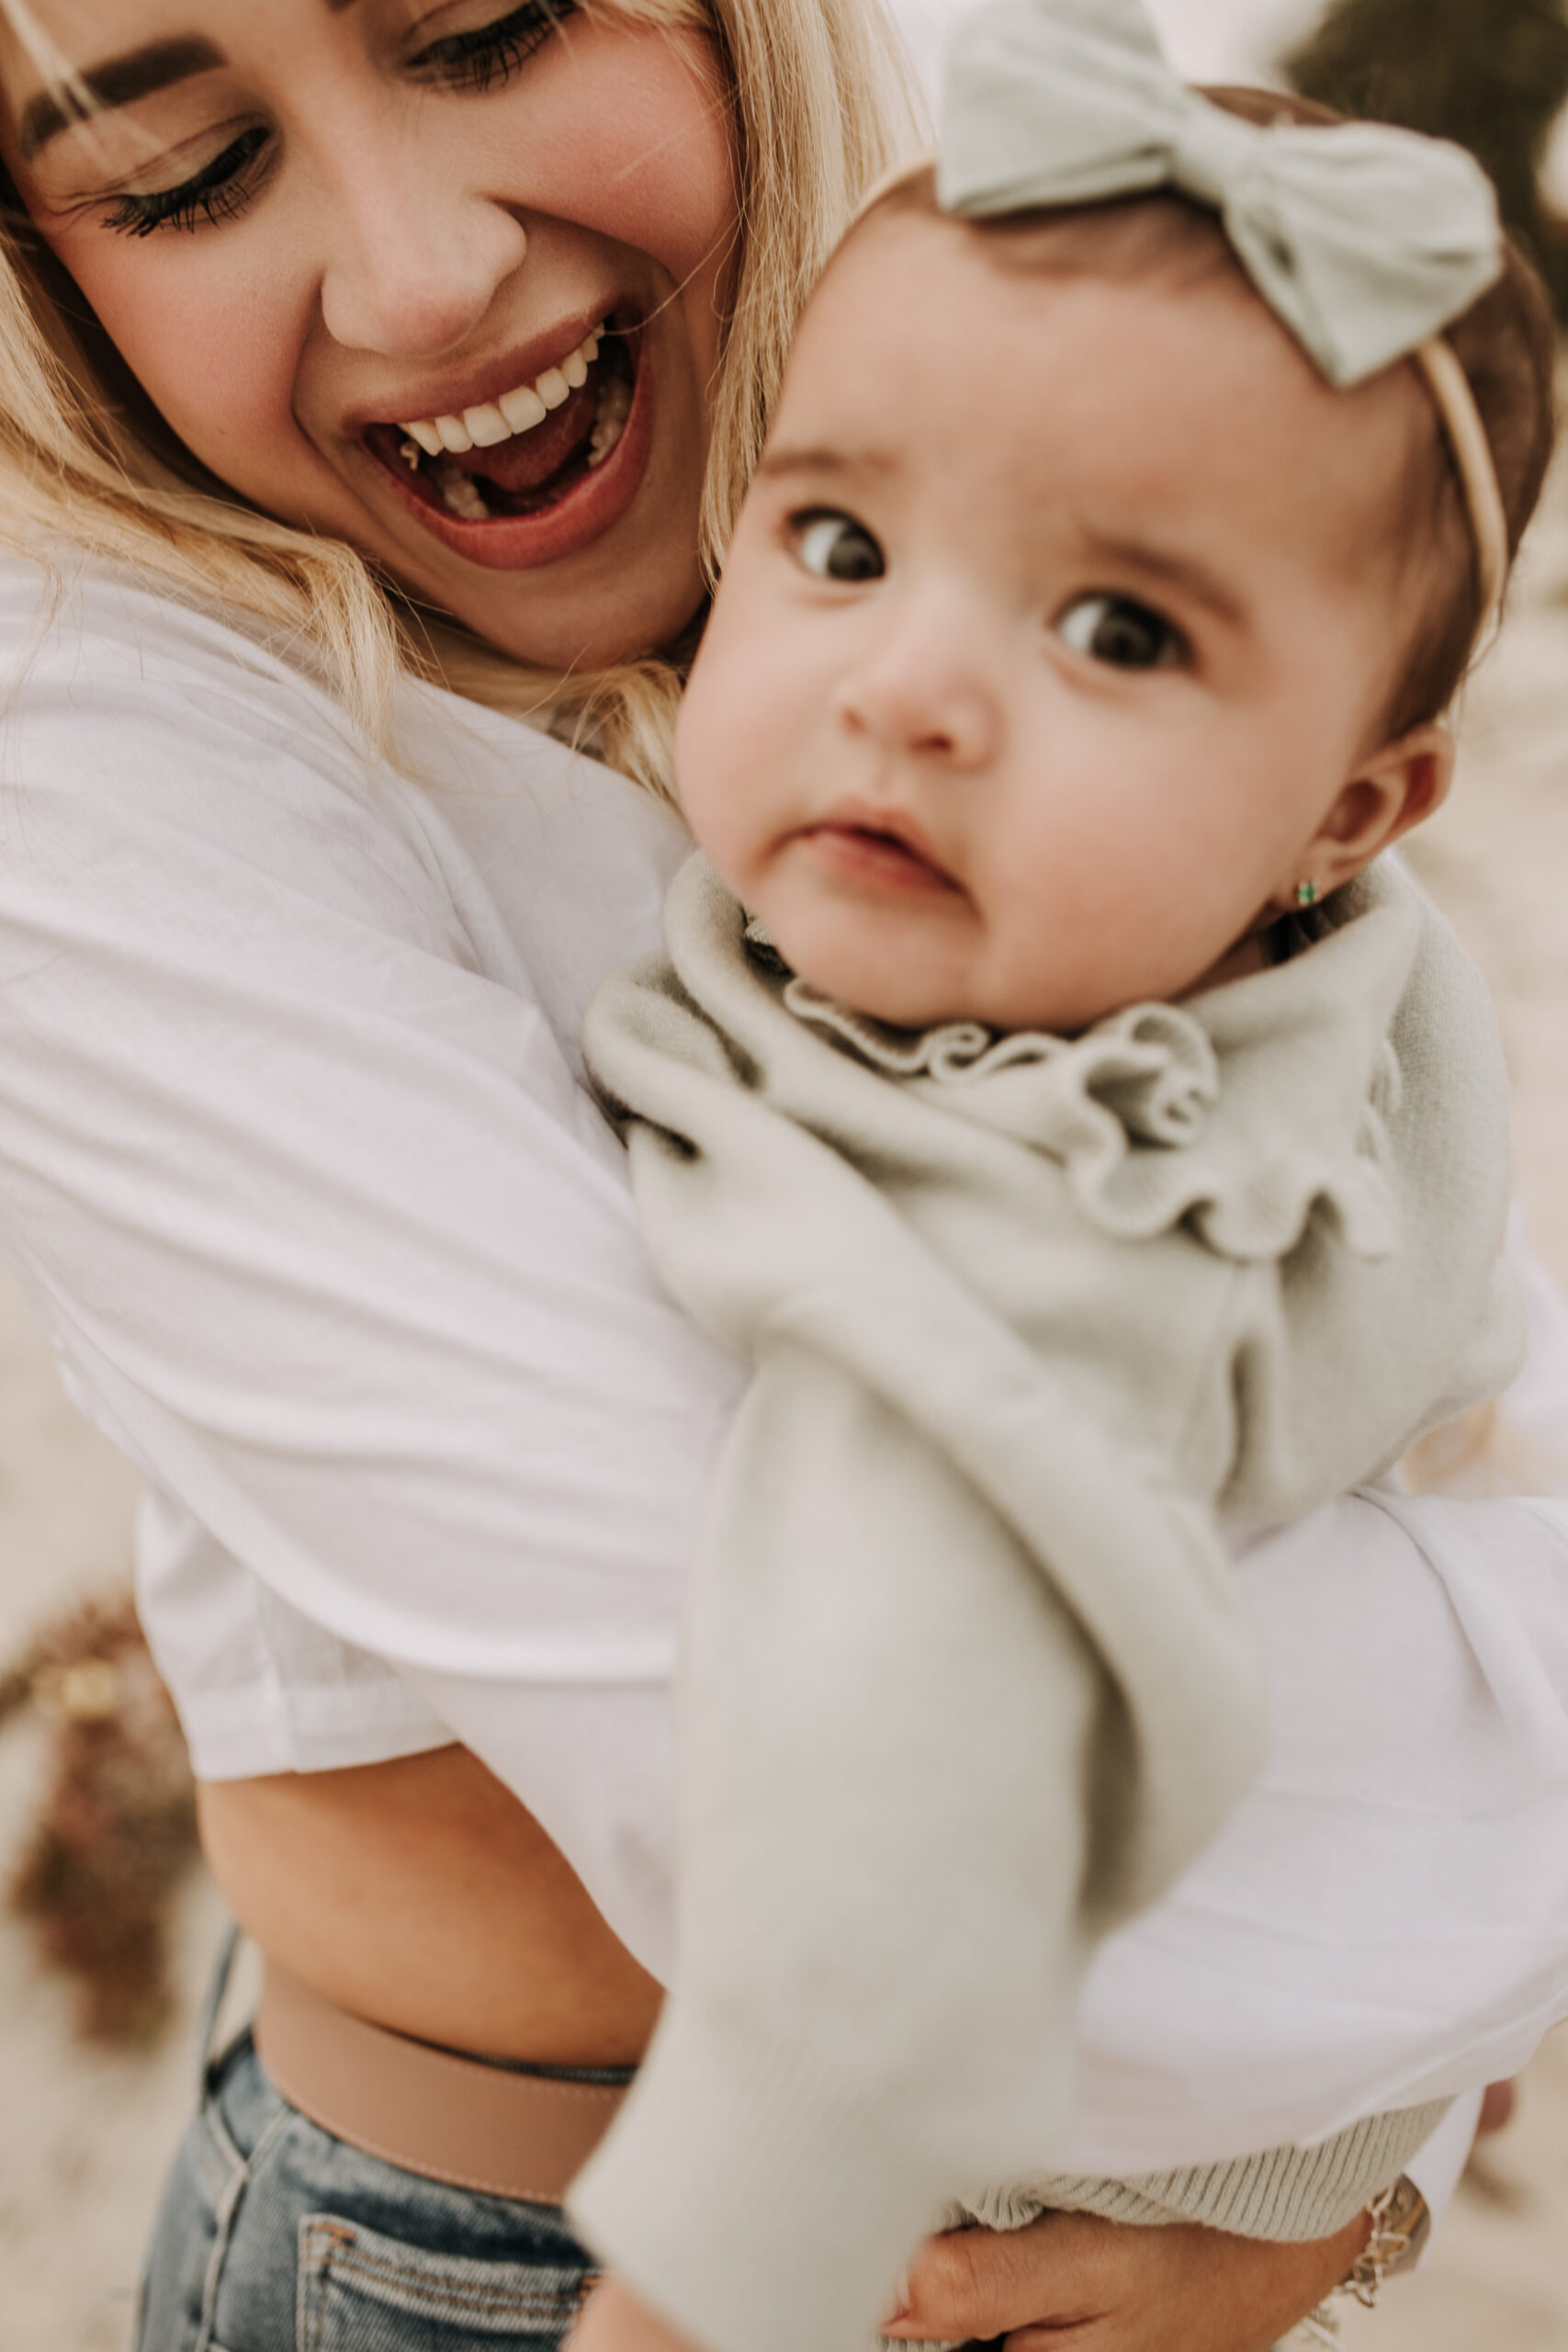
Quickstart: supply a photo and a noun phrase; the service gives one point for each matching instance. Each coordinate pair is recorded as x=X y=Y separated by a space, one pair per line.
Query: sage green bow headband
x=1366 y=241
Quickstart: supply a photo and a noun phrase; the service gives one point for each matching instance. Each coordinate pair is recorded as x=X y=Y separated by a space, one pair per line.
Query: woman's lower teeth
x=460 y=494
x=609 y=418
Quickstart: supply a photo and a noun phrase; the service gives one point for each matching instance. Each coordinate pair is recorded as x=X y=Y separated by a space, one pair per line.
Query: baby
x=1079 y=1132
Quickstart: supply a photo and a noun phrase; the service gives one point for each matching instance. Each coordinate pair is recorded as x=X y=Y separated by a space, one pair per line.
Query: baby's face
x=1060 y=615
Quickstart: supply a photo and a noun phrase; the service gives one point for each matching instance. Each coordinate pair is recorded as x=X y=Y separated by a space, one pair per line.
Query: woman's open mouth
x=538 y=472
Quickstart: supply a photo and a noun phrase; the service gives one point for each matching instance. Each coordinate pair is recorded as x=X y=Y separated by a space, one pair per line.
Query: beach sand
x=83 y=2136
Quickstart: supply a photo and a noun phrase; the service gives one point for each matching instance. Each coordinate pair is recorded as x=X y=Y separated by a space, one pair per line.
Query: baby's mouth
x=523 y=453
x=878 y=849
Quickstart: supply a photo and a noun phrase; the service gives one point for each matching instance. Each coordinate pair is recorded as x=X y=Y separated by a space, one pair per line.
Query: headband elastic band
x=1449 y=388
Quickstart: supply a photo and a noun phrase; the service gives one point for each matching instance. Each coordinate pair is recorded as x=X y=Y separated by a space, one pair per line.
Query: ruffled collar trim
x=1242 y=1112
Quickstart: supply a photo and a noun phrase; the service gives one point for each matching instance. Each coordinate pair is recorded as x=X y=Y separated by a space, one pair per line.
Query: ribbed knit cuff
x=1283 y=2194
x=749 y=2201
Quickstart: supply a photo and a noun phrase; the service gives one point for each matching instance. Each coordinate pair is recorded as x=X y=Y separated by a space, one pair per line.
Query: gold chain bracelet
x=1401 y=2223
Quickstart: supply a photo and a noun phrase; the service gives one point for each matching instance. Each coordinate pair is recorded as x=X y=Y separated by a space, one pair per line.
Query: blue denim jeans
x=274 y=2236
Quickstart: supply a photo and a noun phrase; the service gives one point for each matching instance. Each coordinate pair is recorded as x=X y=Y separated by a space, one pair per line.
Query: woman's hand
x=1073 y=2283
x=1070 y=2283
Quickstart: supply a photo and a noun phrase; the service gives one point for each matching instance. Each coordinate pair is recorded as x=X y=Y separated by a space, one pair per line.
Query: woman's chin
x=632 y=591
x=580 y=631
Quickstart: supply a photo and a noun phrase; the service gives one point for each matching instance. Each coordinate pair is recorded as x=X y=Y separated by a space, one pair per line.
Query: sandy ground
x=82 y=2137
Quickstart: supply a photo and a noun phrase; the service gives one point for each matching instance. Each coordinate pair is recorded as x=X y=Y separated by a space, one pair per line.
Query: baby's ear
x=1398 y=787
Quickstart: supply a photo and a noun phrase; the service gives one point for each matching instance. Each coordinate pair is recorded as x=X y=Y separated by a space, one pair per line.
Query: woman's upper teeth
x=516 y=412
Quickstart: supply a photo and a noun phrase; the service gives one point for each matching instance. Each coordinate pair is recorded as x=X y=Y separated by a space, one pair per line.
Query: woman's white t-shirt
x=297 y=1165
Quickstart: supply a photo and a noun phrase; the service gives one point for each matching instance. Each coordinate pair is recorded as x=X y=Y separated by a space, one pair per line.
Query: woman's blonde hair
x=821 y=104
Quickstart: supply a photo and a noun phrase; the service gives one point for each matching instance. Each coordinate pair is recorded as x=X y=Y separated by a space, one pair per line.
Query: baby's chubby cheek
x=725 y=776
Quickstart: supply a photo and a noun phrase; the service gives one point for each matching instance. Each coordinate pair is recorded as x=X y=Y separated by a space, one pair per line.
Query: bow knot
x=1212 y=154
x=1363 y=240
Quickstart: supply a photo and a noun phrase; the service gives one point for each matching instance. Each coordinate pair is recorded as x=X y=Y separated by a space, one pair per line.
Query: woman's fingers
x=1073 y=2283
x=985 y=2283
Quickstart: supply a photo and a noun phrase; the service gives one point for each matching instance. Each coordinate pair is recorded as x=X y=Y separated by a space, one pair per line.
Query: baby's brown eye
x=1121 y=633
x=835 y=547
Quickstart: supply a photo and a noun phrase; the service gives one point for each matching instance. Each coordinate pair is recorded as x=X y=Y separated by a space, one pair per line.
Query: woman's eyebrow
x=118 y=82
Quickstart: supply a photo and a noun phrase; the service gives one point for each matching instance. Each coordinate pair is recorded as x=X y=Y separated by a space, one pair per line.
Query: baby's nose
x=921 y=693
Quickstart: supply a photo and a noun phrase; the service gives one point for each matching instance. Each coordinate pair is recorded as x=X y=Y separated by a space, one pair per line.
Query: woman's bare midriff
x=422 y=1895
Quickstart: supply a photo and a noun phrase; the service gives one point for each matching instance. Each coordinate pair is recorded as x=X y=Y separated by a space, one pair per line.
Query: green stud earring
x=1306 y=894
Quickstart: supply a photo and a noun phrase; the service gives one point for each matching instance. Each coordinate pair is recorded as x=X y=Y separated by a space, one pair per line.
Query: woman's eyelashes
x=218 y=191
x=479 y=60
x=1121 y=633
x=835 y=547
x=493 y=53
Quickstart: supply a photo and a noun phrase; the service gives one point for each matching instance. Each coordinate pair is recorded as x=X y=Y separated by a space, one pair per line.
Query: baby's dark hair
x=1505 y=343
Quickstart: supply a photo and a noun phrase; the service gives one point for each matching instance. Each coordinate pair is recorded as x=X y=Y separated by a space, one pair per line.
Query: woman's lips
x=587 y=507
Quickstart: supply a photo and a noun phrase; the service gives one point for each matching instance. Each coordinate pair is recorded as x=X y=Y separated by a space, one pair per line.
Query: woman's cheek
x=217 y=352
x=632 y=136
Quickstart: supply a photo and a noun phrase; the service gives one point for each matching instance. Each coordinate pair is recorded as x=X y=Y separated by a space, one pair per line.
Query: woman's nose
x=410 y=272
x=925 y=688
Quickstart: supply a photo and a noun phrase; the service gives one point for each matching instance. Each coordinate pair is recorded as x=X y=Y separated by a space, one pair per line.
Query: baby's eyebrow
x=822 y=458
x=1163 y=565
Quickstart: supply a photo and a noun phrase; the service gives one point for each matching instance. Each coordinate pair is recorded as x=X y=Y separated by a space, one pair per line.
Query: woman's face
x=310 y=225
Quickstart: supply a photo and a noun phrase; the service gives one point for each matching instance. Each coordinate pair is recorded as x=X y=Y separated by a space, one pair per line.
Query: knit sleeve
x=918 y=1781
x=962 y=1684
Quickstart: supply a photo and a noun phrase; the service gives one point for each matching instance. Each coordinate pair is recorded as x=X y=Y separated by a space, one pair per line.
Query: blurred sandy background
x=83 y=2136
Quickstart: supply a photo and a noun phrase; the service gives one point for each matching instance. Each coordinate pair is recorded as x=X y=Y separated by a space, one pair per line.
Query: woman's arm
x=1070 y=2283
x=1385 y=1917
x=296 y=1171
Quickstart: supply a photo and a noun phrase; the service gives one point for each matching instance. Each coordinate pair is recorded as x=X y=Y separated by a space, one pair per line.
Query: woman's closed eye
x=491 y=53
x=479 y=58
x=218 y=191
x=835 y=547
x=1121 y=633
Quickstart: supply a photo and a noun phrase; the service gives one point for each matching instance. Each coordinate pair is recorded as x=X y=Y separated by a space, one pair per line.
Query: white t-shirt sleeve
x=1437 y=2168
x=311 y=1202
x=1384 y=1919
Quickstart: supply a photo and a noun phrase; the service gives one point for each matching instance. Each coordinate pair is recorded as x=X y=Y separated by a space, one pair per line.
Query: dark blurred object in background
x=1490 y=73
x=117 y=1832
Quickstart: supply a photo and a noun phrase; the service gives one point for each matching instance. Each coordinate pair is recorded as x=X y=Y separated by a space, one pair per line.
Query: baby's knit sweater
x=966 y=1676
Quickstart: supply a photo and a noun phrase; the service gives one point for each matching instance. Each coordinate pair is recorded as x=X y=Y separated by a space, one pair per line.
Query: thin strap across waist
x=429 y=2110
